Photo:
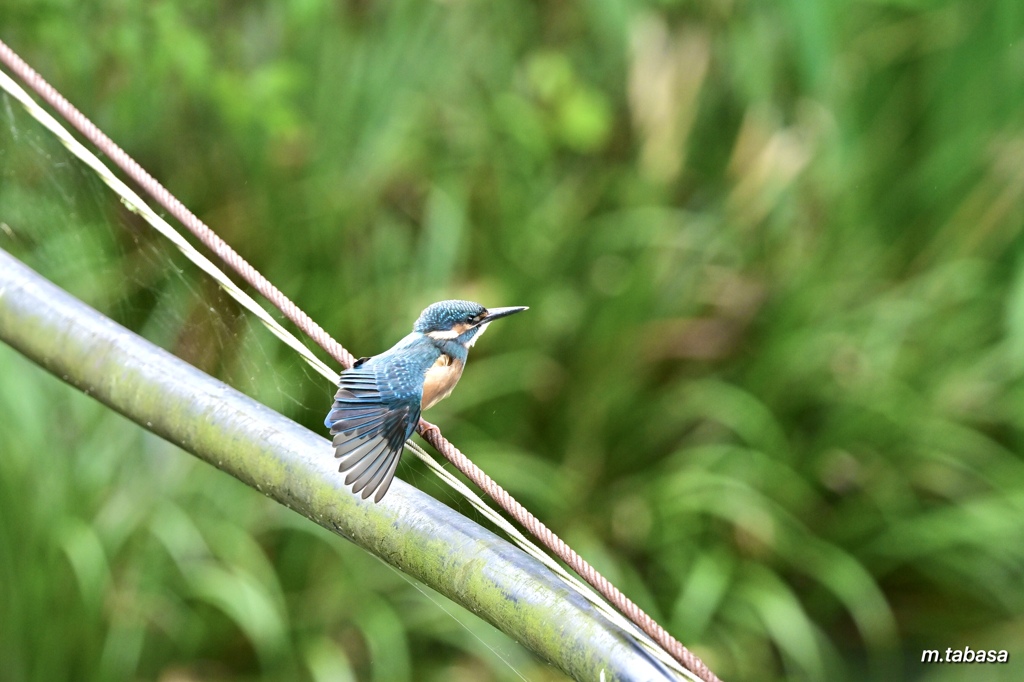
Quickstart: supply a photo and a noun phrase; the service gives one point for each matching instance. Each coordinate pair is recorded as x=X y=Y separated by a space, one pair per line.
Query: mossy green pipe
x=290 y=464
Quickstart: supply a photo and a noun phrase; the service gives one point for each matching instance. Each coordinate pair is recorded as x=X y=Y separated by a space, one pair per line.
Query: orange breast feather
x=440 y=380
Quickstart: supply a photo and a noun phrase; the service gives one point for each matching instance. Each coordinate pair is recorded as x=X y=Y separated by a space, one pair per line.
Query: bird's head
x=460 y=321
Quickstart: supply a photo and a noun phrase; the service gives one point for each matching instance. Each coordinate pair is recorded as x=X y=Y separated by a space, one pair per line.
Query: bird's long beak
x=494 y=313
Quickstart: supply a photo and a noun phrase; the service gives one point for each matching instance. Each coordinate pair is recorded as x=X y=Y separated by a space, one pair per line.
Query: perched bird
x=379 y=400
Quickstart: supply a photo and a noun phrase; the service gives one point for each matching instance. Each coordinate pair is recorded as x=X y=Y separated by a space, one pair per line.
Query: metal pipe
x=290 y=464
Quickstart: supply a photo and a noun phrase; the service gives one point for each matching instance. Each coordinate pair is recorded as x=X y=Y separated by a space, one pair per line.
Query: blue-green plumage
x=379 y=400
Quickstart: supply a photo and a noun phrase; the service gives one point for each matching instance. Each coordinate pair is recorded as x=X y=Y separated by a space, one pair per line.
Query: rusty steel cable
x=290 y=310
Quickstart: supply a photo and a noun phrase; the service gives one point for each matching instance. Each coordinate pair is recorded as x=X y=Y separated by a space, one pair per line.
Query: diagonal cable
x=291 y=311
x=137 y=205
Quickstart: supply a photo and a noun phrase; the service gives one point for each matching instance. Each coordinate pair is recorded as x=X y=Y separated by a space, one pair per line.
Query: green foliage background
x=771 y=377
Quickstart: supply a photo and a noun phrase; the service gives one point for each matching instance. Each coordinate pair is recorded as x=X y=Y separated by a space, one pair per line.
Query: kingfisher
x=379 y=400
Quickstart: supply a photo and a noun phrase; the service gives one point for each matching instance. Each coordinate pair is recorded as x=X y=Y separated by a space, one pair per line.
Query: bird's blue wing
x=375 y=411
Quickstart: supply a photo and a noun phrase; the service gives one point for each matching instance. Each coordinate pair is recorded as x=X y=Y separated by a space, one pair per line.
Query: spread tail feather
x=369 y=439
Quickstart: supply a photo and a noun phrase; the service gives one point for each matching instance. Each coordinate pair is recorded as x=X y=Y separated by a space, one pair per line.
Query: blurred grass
x=770 y=379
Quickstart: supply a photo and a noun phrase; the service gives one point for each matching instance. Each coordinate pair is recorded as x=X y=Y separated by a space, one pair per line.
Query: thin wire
x=136 y=204
x=566 y=553
x=290 y=310
x=177 y=209
x=426 y=592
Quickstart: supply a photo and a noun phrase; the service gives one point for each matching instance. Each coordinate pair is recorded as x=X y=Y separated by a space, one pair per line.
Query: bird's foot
x=428 y=427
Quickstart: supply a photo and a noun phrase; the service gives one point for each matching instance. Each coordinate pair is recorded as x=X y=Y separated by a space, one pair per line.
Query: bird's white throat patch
x=482 y=329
